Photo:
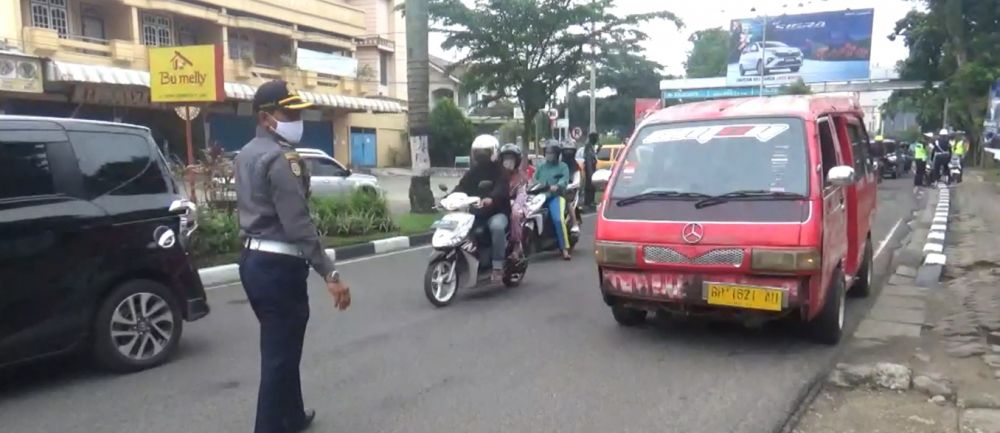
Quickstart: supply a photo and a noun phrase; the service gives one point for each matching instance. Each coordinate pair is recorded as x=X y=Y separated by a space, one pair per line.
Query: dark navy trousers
x=276 y=287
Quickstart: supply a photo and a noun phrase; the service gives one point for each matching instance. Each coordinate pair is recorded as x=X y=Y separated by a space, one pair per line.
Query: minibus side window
x=827 y=147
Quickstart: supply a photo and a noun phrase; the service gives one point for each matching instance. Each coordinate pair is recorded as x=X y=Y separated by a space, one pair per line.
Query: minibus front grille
x=719 y=256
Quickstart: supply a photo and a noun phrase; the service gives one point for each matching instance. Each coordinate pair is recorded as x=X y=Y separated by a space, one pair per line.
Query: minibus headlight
x=615 y=253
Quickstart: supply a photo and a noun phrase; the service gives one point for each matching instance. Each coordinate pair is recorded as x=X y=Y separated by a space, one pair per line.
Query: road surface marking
x=885 y=241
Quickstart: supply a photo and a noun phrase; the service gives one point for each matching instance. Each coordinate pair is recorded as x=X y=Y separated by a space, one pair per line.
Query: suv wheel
x=138 y=326
x=628 y=316
x=863 y=285
x=828 y=326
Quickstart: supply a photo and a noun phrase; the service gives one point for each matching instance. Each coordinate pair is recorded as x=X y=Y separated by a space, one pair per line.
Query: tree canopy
x=526 y=50
x=710 y=55
x=451 y=133
x=953 y=42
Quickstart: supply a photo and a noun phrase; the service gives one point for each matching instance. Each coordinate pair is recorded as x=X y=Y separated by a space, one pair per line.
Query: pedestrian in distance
x=280 y=244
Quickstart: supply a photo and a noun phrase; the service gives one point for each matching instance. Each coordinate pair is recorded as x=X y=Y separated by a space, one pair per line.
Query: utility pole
x=589 y=155
x=418 y=90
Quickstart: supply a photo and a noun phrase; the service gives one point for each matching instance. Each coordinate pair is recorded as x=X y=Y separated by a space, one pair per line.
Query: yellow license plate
x=756 y=298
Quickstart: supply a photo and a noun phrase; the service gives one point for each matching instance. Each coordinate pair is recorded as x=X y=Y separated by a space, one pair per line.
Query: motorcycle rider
x=942 y=155
x=920 y=159
x=555 y=175
x=568 y=157
x=515 y=171
x=494 y=210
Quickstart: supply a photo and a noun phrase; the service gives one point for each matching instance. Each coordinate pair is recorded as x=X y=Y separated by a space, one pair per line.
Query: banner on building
x=325 y=63
x=20 y=74
x=645 y=107
x=190 y=73
x=814 y=47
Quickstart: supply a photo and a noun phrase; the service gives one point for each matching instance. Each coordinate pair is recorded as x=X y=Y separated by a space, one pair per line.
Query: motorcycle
x=539 y=230
x=461 y=252
x=955 y=170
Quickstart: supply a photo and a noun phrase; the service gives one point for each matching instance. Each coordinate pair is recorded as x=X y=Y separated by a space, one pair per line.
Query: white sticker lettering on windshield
x=703 y=134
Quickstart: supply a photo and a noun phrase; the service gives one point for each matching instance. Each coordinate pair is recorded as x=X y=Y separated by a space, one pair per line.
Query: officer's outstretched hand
x=341 y=294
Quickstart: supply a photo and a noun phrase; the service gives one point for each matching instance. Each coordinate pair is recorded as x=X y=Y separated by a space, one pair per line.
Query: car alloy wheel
x=142 y=326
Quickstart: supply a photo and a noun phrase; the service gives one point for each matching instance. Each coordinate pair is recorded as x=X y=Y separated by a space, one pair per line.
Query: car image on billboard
x=816 y=47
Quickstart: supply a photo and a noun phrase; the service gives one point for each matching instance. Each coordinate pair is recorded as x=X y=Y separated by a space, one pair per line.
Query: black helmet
x=553 y=146
x=511 y=149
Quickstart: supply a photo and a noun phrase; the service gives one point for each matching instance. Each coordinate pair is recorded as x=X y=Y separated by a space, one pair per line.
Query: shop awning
x=246 y=91
x=76 y=72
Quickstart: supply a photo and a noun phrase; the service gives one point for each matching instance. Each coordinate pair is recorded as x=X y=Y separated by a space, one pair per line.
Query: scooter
x=461 y=253
x=539 y=230
x=955 y=170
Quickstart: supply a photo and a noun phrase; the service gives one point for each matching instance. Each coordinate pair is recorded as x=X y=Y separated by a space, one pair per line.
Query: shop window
x=93 y=23
x=383 y=68
x=157 y=31
x=240 y=46
x=186 y=35
x=50 y=14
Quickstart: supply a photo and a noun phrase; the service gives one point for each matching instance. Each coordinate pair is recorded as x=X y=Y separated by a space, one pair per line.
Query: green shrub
x=218 y=233
x=358 y=213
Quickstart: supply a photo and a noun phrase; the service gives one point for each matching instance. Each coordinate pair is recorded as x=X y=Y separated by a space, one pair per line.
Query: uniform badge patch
x=295 y=162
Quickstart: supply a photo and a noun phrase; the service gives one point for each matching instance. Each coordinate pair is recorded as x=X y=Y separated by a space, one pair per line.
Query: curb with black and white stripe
x=929 y=274
x=934 y=247
x=229 y=274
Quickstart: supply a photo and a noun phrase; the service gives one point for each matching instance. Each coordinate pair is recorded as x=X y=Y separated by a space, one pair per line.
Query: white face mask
x=508 y=164
x=290 y=131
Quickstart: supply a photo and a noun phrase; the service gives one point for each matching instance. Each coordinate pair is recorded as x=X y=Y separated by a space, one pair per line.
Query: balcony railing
x=377 y=42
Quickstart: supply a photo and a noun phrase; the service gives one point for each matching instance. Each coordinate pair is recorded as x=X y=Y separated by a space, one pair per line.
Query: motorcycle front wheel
x=441 y=282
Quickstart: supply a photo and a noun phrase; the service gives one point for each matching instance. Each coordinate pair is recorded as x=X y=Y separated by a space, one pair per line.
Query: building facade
x=93 y=56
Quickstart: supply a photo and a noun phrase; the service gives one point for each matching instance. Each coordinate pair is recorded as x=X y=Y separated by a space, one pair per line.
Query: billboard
x=816 y=47
x=190 y=73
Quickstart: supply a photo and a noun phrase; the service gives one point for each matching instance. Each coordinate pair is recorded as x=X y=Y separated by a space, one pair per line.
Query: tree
x=451 y=133
x=952 y=42
x=799 y=87
x=710 y=55
x=630 y=77
x=526 y=50
x=418 y=90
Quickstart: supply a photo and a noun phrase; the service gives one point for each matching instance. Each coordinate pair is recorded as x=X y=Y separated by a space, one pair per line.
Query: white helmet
x=943 y=132
x=486 y=143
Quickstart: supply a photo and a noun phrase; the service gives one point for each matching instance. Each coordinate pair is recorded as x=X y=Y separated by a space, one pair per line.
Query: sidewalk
x=396 y=184
x=927 y=359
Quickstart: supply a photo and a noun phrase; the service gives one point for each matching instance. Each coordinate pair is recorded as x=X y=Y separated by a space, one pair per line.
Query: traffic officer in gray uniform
x=280 y=244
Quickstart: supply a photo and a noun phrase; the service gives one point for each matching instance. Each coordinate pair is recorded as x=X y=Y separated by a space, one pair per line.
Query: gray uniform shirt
x=272 y=189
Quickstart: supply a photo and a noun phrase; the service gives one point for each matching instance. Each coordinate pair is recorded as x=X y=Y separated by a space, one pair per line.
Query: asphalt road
x=545 y=357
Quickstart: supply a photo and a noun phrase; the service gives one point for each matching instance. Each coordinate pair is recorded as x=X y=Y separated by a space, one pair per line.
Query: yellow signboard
x=20 y=74
x=186 y=74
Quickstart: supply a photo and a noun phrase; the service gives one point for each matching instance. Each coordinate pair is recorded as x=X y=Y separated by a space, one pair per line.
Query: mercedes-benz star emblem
x=693 y=233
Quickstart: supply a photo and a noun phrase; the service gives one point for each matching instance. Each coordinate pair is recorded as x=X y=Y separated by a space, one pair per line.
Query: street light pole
x=593 y=80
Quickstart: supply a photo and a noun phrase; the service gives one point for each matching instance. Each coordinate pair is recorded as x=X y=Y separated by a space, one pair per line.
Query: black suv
x=93 y=235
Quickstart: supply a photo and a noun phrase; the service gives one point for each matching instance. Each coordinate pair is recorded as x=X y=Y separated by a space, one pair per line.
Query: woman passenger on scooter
x=555 y=175
x=514 y=169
